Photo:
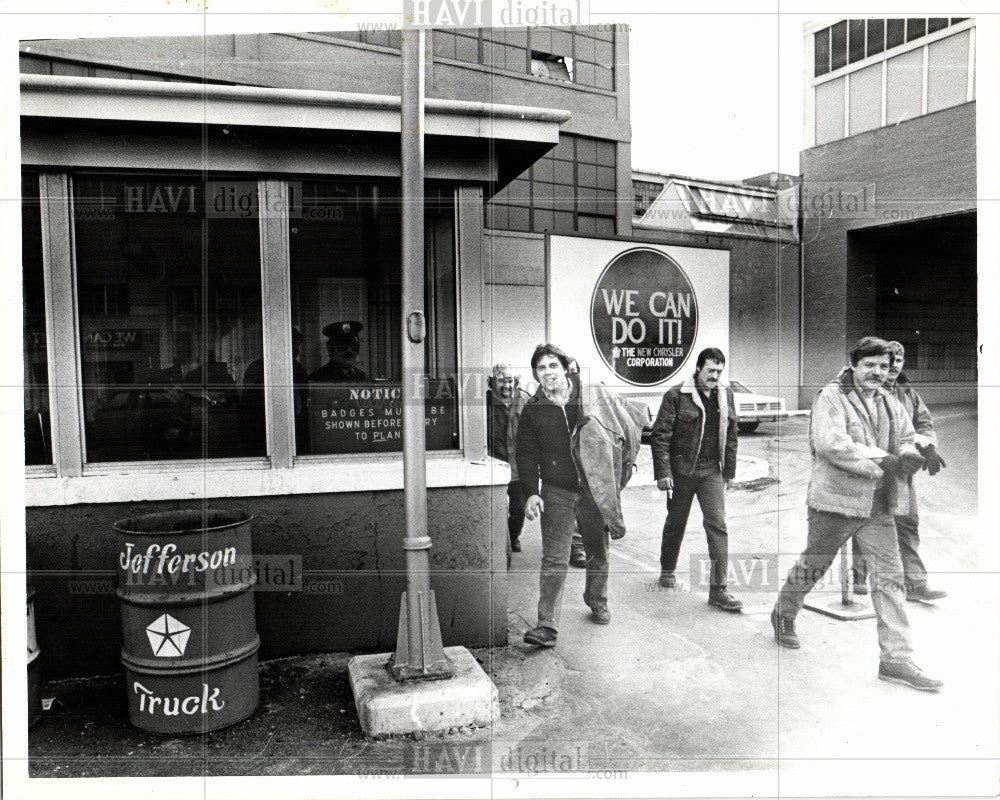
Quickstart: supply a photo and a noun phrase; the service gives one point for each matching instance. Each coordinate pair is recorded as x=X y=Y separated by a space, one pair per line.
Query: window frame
x=135 y=480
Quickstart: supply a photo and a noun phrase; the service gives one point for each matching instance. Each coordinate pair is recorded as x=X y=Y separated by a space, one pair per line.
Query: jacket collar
x=690 y=387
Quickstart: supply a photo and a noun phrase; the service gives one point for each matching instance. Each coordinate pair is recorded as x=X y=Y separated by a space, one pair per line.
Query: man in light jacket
x=581 y=442
x=863 y=458
x=694 y=445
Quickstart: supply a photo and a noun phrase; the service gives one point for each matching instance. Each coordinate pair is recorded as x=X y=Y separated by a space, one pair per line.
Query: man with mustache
x=694 y=445
x=863 y=458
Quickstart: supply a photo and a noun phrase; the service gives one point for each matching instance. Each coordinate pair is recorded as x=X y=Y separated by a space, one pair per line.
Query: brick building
x=889 y=197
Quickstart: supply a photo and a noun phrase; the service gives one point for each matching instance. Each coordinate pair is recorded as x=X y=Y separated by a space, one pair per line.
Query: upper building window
x=851 y=40
x=905 y=80
x=571 y=189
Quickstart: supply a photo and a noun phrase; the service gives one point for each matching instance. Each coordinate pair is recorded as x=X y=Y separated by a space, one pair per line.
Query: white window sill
x=224 y=481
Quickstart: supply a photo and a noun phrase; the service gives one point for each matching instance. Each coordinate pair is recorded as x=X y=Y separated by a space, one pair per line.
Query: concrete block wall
x=353 y=572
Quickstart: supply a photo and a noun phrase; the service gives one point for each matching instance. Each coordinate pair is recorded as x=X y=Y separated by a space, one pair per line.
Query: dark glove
x=619 y=534
x=933 y=462
x=910 y=464
x=890 y=464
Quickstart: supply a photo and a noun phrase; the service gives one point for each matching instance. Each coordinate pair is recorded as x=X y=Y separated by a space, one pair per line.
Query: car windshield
x=740 y=387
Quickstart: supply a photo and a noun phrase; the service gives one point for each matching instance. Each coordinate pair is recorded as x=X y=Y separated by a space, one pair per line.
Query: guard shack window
x=169 y=298
x=345 y=263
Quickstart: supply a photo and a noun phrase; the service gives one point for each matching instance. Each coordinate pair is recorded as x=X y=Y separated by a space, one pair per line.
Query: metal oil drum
x=185 y=579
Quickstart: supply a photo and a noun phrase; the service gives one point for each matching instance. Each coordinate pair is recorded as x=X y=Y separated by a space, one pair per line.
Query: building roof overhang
x=516 y=136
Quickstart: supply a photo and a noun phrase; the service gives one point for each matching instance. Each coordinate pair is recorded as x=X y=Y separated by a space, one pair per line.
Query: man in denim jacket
x=863 y=459
x=694 y=454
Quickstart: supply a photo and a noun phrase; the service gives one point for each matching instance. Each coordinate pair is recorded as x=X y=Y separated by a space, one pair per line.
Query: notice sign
x=643 y=316
x=368 y=418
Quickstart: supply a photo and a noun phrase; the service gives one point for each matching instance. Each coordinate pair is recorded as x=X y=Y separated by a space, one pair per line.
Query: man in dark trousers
x=581 y=441
x=863 y=459
x=504 y=401
x=925 y=440
x=694 y=454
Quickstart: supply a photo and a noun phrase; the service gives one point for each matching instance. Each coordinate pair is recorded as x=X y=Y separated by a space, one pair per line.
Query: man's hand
x=910 y=464
x=933 y=462
x=890 y=464
x=729 y=483
x=533 y=507
x=665 y=484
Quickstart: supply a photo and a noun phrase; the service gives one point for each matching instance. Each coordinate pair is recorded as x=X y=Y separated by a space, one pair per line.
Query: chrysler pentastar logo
x=168 y=637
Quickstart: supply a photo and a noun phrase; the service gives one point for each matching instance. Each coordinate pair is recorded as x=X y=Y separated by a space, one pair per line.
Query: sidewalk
x=671 y=685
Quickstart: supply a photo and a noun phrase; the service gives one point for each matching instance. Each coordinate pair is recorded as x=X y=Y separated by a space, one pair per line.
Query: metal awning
x=515 y=136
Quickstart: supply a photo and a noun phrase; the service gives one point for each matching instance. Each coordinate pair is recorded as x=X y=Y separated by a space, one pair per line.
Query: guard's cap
x=345 y=332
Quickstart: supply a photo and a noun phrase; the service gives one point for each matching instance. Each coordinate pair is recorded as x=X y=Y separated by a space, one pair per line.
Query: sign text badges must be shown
x=362 y=418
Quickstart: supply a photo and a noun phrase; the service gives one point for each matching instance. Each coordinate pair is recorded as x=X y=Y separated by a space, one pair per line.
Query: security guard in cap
x=343 y=346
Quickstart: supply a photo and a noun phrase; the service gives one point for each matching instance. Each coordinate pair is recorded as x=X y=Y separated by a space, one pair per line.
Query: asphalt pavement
x=672 y=685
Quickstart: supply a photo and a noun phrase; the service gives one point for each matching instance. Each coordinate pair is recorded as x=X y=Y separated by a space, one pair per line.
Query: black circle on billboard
x=644 y=316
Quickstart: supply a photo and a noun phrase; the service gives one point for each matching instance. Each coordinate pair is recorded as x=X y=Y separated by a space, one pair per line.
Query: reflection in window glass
x=37 y=433
x=346 y=306
x=830 y=111
x=904 y=86
x=170 y=315
x=948 y=71
x=866 y=99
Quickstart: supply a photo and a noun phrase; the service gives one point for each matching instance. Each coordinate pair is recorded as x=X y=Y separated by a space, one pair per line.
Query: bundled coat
x=904 y=392
x=679 y=431
x=845 y=444
x=603 y=444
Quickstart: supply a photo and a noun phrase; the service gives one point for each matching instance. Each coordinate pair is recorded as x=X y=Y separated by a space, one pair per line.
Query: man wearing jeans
x=863 y=458
x=694 y=455
x=581 y=442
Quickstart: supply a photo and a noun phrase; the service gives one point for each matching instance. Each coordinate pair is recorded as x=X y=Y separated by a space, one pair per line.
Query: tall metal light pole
x=419 y=652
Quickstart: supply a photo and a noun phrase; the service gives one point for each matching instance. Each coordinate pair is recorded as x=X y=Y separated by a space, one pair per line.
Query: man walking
x=694 y=454
x=504 y=401
x=914 y=572
x=581 y=442
x=863 y=459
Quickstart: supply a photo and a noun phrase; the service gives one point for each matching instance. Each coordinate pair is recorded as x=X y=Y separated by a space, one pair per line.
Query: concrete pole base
x=858 y=608
x=389 y=708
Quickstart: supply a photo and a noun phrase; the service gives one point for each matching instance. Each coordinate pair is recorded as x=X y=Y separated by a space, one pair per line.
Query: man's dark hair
x=710 y=354
x=870 y=346
x=549 y=350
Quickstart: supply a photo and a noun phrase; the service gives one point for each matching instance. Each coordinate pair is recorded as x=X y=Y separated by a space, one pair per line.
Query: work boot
x=541 y=636
x=720 y=598
x=784 y=631
x=600 y=615
x=908 y=674
x=578 y=558
x=668 y=580
x=515 y=544
x=861 y=588
x=924 y=594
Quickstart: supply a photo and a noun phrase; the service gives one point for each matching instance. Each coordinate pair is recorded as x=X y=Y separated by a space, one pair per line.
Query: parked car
x=751 y=409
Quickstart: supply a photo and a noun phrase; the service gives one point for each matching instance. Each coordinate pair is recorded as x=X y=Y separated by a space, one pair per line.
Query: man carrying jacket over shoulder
x=694 y=454
x=863 y=459
x=581 y=443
